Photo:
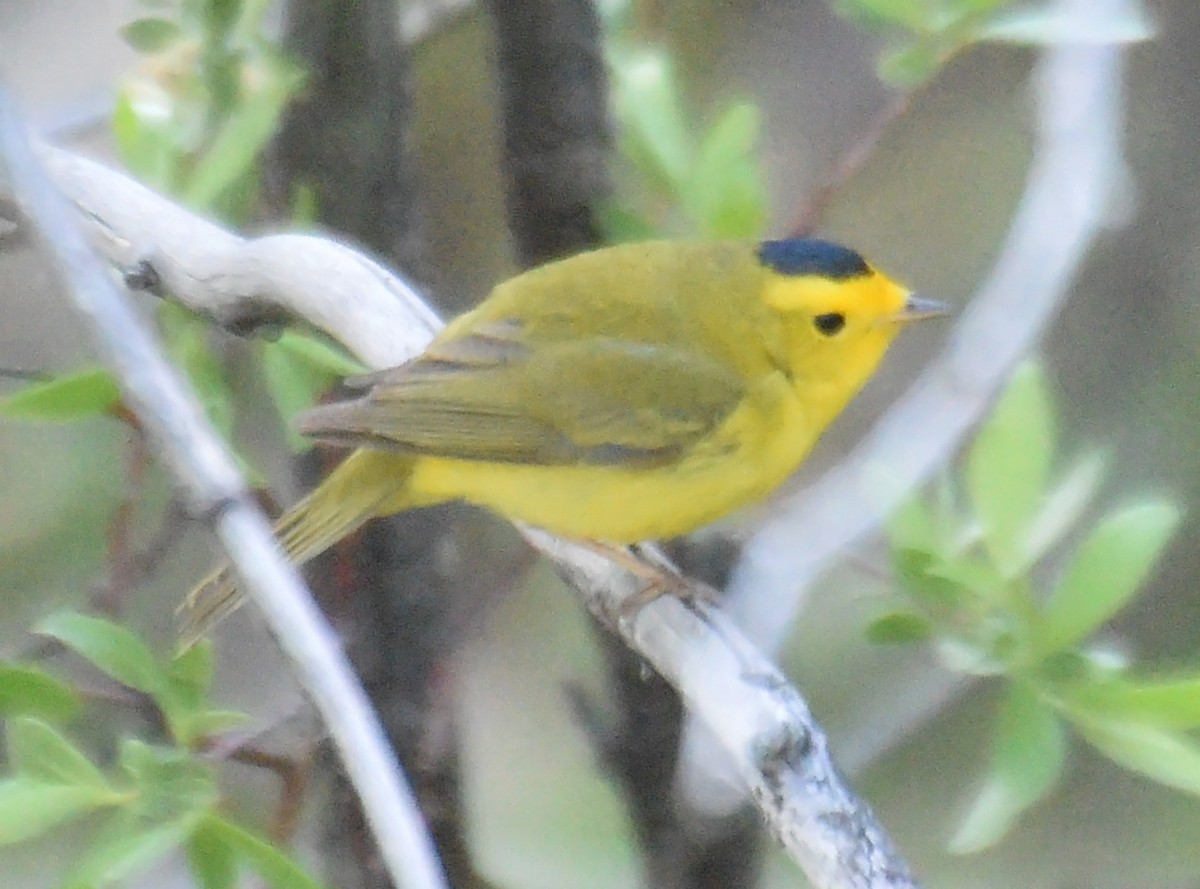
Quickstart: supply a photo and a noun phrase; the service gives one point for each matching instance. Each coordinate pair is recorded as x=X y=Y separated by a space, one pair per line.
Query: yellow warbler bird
x=631 y=393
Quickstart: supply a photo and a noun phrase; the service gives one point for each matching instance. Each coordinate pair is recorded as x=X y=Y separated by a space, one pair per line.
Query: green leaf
x=192 y=670
x=243 y=136
x=186 y=690
x=1168 y=757
x=909 y=66
x=140 y=129
x=910 y=14
x=40 y=753
x=1050 y=25
x=186 y=339
x=86 y=393
x=128 y=849
x=623 y=225
x=724 y=191
x=898 y=628
x=1027 y=759
x=213 y=861
x=1061 y=509
x=653 y=132
x=151 y=35
x=219 y=18
x=1164 y=703
x=29 y=807
x=207 y=723
x=298 y=369
x=1009 y=464
x=168 y=782
x=911 y=526
x=915 y=569
x=276 y=868
x=25 y=691
x=111 y=648
x=1105 y=573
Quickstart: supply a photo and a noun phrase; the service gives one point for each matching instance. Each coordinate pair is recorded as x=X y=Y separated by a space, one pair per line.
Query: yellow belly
x=740 y=463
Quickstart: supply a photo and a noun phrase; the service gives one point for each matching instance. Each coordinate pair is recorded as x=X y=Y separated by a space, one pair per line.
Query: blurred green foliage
x=969 y=562
x=154 y=797
x=924 y=34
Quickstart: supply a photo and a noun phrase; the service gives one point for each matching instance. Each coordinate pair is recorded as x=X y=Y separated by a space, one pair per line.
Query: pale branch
x=760 y=720
x=211 y=487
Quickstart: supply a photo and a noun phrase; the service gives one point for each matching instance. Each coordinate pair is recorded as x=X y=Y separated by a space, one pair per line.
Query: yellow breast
x=750 y=454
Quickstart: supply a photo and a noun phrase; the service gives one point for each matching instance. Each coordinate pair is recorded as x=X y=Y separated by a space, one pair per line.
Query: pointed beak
x=918 y=308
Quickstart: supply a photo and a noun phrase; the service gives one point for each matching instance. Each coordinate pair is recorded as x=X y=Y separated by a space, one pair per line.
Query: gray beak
x=918 y=308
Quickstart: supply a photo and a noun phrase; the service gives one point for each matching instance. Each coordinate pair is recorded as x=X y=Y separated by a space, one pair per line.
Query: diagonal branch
x=211 y=487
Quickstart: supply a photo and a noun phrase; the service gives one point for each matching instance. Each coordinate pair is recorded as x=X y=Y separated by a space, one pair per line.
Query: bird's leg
x=647 y=562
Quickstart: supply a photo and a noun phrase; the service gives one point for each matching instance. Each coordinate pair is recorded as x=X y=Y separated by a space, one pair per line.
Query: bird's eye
x=829 y=323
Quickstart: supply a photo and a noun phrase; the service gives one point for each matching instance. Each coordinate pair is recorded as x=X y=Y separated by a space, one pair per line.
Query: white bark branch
x=760 y=720
x=211 y=487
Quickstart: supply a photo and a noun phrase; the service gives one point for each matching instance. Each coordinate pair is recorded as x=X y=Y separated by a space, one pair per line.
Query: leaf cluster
x=970 y=559
x=924 y=34
x=154 y=798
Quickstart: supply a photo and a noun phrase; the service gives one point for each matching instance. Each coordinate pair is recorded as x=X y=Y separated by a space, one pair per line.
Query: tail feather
x=365 y=485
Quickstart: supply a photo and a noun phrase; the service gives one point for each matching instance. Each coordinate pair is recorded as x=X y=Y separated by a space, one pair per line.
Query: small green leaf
x=623 y=225
x=1164 y=703
x=1168 y=757
x=207 y=723
x=243 y=136
x=911 y=526
x=653 y=132
x=318 y=354
x=140 y=129
x=1105 y=572
x=915 y=571
x=724 y=191
x=213 y=861
x=111 y=648
x=1009 y=463
x=186 y=338
x=298 y=369
x=86 y=393
x=151 y=35
x=898 y=628
x=186 y=689
x=276 y=868
x=219 y=18
x=25 y=691
x=1053 y=26
x=169 y=783
x=29 y=807
x=40 y=753
x=130 y=848
x=192 y=669
x=909 y=66
x=1061 y=509
x=910 y=14
x=1027 y=759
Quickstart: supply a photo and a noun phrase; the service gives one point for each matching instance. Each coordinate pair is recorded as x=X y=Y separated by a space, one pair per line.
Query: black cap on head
x=807 y=256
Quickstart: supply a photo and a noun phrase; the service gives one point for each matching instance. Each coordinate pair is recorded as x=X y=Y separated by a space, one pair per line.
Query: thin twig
x=812 y=209
x=210 y=485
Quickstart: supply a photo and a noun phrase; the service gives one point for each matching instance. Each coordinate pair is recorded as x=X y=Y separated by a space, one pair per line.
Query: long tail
x=365 y=485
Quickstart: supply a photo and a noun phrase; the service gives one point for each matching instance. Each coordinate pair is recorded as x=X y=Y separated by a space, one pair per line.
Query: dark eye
x=830 y=323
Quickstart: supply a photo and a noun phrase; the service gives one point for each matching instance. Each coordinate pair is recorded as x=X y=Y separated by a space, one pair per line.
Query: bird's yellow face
x=840 y=314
